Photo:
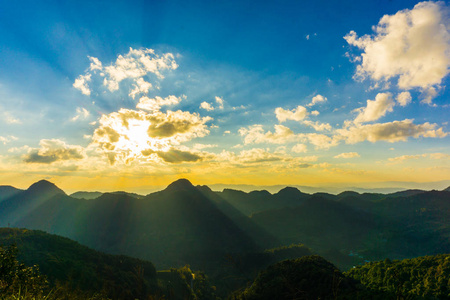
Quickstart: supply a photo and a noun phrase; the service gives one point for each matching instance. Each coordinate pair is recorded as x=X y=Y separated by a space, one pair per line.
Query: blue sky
x=234 y=65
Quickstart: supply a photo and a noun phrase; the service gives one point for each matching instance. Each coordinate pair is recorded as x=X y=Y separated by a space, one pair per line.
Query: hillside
x=425 y=277
x=84 y=269
x=213 y=231
x=173 y=227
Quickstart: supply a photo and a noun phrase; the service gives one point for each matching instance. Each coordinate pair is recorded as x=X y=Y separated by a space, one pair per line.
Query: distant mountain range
x=186 y=224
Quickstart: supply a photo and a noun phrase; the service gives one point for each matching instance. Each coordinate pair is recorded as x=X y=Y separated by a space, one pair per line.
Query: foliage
x=16 y=278
x=183 y=283
x=309 y=277
x=72 y=267
x=425 y=277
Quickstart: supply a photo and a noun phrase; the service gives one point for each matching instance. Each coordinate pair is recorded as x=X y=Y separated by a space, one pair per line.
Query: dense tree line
x=426 y=277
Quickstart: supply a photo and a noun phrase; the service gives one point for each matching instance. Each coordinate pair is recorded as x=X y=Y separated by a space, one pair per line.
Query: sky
x=132 y=95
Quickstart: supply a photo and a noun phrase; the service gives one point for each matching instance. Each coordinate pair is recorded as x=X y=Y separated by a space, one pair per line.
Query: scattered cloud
x=347 y=155
x=134 y=66
x=8 y=118
x=174 y=156
x=317 y=125
x=255 y=135
x=412 y=45
x=322 y=141
x=315 y=113
x=7 y=139
x=53 y=150
x=257 y=155
x=154 y=104
x=219 y=102
x=81 y=83
x=428 y=95
x=299 y=148
x=206 y=106
x=399 y=159
x=317 y=99
x=296 y=114
x=375 y=109
x=140 y=86
x=391 y=132
x=404 y=98
x=82 y=114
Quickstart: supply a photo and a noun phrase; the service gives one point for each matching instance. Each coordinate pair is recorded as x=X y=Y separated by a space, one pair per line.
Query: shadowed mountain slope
x=173 y=227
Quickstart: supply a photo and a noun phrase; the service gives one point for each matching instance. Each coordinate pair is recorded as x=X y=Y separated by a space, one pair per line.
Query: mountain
x=78 y=272
x=257 y=201
x=319 y=223
x=7 y=191
x=44 y=187
x=418 y=278
x=66 y=261
x=21 y=203
x=406 y=193
x=86 y=195
x=173 y=227
x=447 y=189
x=309 y=277
x=213 y=231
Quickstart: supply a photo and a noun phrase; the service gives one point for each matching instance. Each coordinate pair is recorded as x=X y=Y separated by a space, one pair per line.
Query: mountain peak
x=447 y=189
x=180 y=185
x=44 y=186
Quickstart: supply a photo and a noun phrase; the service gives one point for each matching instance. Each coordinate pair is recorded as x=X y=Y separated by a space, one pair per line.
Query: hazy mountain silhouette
x=173 y=227
x=86 y=195
x=186 y=224
x=7 y=191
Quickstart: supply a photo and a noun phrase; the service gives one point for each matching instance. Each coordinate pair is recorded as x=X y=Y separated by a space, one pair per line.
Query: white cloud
x=7 y=139
x=206 y=106
x=255 y=135
x=322 y=141
x=296 y=114
x=375 y=109
x=317 y=99
x=154 y=104
x=299 y=148
x=315 y=113
x=402 y=158
x=413 y=45
x=405 y=157
x=317 y=125
x=391 y=132
x=347 y=155
x=82 y=114
x=134 y=66
x=96 y=64
x=257 y=155
x=404 y=98
x=10 y=119
x=81 y=83
x=140 y=86
x=428 y=95
x=219 y=101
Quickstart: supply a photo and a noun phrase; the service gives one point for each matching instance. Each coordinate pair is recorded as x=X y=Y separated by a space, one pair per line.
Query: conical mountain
x=180 y=185
x=24 y=203
x=45 y=187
